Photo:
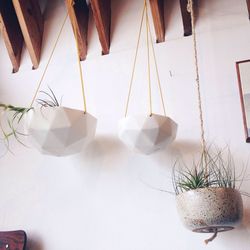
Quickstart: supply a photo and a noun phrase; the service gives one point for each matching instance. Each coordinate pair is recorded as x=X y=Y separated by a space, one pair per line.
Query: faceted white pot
x=205 y=210
x=60 y=131
x=146 y=134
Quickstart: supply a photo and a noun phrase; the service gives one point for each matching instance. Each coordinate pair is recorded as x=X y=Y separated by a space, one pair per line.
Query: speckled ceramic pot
x=204 y=209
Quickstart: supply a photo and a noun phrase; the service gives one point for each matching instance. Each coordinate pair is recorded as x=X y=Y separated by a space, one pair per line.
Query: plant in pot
x=147 y=133
x=207 y=196
x=208 y=200
x=52 y=128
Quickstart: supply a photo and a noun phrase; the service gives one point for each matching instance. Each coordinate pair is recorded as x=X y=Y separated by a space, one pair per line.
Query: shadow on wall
x=34 y=243
x=103 y=148
x=180 y=149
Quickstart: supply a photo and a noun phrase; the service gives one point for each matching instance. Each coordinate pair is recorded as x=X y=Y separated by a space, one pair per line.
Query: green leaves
x=9 y=128
x=211 y=170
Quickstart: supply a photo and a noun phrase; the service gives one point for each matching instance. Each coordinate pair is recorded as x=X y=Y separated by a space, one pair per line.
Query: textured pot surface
x=60 y=131
x=146 y=134
x=210 y=207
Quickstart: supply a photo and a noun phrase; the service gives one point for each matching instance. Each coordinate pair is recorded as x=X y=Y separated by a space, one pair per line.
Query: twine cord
x=52 y=54
x=149 y=41
x=190 y=8
x=49 y=60
x=135 y=60
x=78 y=57
x=148 y=61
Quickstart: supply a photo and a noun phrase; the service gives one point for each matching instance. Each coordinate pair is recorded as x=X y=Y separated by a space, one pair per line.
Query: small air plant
x=51 y=100
x=16 y=114
x=215 y=169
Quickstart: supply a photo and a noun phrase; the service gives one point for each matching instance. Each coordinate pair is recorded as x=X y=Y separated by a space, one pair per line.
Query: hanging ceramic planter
x=57 y=130
x=206 y=210
x=147 y=133
x=206 y=195
x=60 y=131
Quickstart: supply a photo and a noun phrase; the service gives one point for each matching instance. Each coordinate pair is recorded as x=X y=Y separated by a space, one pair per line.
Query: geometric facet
x=60 y=131
x=146 y=134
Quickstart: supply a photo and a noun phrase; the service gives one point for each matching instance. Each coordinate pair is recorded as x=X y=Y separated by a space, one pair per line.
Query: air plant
x=16 y=114
x=212 y=170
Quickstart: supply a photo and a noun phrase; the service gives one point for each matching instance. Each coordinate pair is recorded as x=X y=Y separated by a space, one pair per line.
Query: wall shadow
x=103 y=149
x=34 y=243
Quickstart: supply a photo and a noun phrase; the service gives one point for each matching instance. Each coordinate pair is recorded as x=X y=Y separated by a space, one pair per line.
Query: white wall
x=103 y=198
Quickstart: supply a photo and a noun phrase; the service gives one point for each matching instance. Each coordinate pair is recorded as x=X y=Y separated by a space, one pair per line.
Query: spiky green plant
x=15 y=115
x=215 y=169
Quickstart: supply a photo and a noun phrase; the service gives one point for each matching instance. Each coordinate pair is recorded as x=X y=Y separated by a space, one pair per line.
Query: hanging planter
x=210 y=210
x=60 y=131
x=206 y=194
x=147 y=133
x=208 y=200
x=52 y=128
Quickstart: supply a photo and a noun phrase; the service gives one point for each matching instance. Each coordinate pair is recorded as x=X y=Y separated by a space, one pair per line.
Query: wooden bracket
x=248 y=7
x=102 y=16
x=31 y=22
x=186 y=18
x=79 y=16
x=157 y=9
x=11 y=32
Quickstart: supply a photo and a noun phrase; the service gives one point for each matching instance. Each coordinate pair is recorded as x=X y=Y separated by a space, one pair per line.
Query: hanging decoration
x=57 y=130
x=146 y=134
x=207 y=198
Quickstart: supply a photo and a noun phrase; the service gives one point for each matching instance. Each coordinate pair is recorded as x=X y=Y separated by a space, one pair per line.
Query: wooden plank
x=102 y=16
x=11 y=32
x=13 y=240
x=79 y=16
x=186 y=18
x=248 y=7
x=157 y=9
x=31 y=22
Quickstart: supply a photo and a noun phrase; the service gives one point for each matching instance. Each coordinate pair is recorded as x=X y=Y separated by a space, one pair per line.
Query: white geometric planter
x=60 y=131
x=146 y=134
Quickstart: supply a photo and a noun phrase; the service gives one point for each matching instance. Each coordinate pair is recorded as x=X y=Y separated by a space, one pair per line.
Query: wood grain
x=31 y=23
x=15 y=240
x=157 y=9
x=242 y=98
x=79 y=16
x=11 y=32
x=186 y=18
x=102 y=16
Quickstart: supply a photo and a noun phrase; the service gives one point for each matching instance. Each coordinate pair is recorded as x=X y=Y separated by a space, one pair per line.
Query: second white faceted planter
x=146 y=134
x=60 y=131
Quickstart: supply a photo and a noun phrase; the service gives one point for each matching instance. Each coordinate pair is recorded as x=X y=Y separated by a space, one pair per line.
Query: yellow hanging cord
x=49 y=60
x=190 y=8
x=135 y=60
x=148 y=57
x=78 y=58
x=157 y=70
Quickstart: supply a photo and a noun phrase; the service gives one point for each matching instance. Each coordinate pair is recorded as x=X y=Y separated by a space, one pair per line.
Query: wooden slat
x=248 y=7
x=157 y=9
x=79 y=16
x=11 y=32
x=186 y=18
x=13 y=240
x=102 y=15
x=31 y=22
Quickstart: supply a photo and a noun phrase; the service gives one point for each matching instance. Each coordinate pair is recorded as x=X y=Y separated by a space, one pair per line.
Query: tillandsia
x=213 y=169
x=10 y=125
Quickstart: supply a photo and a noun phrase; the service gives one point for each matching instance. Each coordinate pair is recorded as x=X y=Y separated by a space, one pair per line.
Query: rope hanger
x=52 y=54
x=149 y=40
x=190 y=9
